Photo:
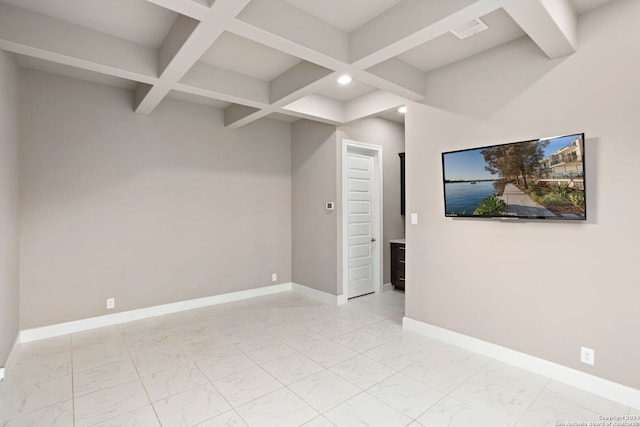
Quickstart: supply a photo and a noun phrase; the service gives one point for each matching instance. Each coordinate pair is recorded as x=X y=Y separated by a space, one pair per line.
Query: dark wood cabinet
x=401 y=183
x=397 y=265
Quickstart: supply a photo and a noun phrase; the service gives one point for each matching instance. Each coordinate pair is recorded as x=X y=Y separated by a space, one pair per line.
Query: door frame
x=377 y=257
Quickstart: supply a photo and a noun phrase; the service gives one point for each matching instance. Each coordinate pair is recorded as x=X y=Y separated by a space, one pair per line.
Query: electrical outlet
x=274 y=277
x=111 y=303
x=587 y=355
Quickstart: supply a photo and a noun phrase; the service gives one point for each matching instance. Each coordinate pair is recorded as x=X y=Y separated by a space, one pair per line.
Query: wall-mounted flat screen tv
x=535 y=179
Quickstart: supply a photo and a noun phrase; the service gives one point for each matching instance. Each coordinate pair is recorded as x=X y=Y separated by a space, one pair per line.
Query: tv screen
x=536 y=179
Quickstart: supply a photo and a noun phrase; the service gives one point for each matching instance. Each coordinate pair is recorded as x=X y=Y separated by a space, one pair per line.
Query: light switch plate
x=414 y=218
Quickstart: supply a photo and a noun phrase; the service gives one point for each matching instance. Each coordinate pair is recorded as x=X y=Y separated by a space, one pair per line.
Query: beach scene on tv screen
x=538 y=179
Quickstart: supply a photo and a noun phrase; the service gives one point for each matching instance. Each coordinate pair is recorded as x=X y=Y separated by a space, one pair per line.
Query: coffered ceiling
x=274 y=58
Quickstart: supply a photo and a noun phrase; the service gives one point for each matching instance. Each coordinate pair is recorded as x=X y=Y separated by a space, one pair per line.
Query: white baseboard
x=4 y=370
x=315 y=293
x=599 y=386
x=144 y=313
x=59 y=329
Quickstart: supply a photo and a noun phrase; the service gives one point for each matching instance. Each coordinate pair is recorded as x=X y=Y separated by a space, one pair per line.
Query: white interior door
x=361 y=221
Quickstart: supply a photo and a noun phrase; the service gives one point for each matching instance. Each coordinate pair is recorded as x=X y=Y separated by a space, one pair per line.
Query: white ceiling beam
x=330 y=110
x=193 y=47
x=139 y=93
x=190 y=8
x=236 y=116
x=286 y=93
x=411 y=24
x=207 y=80
x=551 y=24
x=295 y=79
x=398 y=77
x=304 y=91
x=29 y=33
x=235 y=113
x=205 y=3
x=288 y=46
x=178 y=35
x=217 y=95
x=280 y=18
x=371 y=104
x=185 y=55
x=292 y=100
x=319 y=119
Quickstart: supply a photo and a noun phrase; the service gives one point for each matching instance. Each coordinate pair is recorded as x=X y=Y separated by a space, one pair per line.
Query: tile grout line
x=139 y=379
x=139 y=376
x=535 y=399
x=215 y=388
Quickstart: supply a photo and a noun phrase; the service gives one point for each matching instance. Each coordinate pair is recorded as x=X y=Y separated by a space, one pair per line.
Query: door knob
x=373 y=239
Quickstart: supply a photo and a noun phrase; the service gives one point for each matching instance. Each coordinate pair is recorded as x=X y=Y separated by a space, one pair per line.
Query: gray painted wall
x=147 y=209
x=314 y=229
x=542 y=288
x=9 y=279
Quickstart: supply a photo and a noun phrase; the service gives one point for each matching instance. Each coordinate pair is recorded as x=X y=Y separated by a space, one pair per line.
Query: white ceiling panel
x=196 y=99
x=583 y=6
x=393 y=116
x=282 y=117
x=447 y=48
x=345 y=15
x=345 y=93
x=135 y=20
x=247 y=57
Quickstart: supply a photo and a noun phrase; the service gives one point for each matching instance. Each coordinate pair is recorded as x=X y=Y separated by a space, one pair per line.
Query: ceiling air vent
x=469 y=29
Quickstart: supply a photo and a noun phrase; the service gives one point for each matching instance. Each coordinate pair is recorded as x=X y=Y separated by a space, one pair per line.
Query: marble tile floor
x=279 y=360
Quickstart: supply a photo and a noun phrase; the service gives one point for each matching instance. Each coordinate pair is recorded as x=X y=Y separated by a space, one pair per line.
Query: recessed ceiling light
x=402 y=109
x=345 y=79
